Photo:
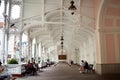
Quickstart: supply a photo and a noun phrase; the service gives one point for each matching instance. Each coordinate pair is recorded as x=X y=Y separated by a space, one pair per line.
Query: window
x=1 y=11
x=15 y=14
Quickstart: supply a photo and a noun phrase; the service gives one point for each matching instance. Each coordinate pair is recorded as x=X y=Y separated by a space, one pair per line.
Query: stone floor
x=63 y=71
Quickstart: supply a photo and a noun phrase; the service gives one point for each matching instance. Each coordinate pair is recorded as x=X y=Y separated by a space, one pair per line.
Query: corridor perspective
x=35 y=34
x=65 y=72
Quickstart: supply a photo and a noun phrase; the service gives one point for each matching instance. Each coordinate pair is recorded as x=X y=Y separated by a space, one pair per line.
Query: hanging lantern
x=72 y=7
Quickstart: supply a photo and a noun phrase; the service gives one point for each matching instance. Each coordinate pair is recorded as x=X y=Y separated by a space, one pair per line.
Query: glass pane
x=15 y=12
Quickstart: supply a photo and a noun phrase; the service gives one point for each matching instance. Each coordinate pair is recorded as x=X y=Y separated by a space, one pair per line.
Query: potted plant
x=13 y=61
x=14 y=67
x=39 y=60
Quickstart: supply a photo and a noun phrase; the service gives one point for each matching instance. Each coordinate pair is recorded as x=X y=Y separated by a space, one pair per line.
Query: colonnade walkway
x=63 y=71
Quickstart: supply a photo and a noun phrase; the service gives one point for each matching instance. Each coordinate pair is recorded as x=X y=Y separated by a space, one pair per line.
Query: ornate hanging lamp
x=62 y=41
x=0 y=2
x=72 y=7
x=62 y=44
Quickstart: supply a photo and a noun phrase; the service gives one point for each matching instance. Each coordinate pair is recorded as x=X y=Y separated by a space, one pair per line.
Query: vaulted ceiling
x=46 y=20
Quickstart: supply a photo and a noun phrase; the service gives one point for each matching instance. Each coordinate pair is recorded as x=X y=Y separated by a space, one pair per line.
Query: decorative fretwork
x=16 y=2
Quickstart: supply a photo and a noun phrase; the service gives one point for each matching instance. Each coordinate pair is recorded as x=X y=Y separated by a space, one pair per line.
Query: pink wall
x=1 y=24
x=112 y=11
x=113 y=14
x=119 y=41
x=115 y=2
x=118 y=22
x=96 y=7
x=110 y=46
x=108 y=22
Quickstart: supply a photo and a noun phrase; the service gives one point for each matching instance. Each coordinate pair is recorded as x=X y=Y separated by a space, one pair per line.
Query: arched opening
x=108 y=58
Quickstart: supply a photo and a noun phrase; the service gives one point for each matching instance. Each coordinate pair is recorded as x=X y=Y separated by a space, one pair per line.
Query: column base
x=108 y=68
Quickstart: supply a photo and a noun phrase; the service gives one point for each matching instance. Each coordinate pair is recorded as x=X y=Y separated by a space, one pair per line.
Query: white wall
x=87 y=51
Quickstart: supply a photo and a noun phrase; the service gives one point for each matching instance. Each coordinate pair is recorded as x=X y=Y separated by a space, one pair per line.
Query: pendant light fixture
x=72 y=7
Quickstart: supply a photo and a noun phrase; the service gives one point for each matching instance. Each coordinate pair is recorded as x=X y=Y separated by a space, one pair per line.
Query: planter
x=14 y=69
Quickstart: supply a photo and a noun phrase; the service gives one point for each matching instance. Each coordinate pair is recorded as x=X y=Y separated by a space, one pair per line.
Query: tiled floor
x=65 y=72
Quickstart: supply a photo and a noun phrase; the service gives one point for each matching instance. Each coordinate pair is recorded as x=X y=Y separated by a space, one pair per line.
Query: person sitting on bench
x=82 y=70
x=4 y=73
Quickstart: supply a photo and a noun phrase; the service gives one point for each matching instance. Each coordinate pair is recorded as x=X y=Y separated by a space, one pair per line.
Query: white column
x=29 y=46
x=1 y=45
x=49 y=56
x=20 y=51
x=4 y=31
x=40 y=49
x=6 y=47
x=41 y=52
x=36 y=51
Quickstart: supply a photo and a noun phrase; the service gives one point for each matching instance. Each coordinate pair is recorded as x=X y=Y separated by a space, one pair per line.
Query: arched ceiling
x=46 y=20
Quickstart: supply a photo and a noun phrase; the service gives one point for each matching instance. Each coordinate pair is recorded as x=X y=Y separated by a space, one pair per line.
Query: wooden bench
x=90 y=68
x=3 y=77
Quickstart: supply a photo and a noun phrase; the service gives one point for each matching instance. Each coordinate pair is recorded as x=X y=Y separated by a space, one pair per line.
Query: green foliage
x=13 y=61
x=39 y=59
x=48 y=59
